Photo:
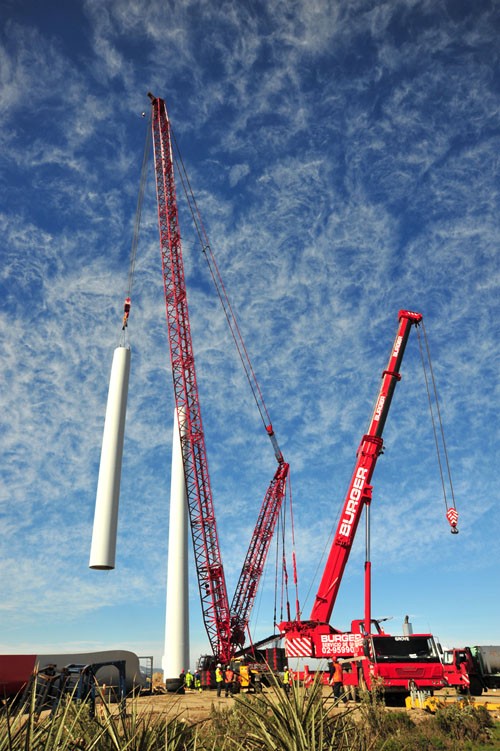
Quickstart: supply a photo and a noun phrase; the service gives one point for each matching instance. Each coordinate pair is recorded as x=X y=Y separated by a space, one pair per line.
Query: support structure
x=176 y=653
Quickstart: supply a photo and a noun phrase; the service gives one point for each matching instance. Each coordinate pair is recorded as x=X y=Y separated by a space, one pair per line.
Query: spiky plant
x=25 y=728
x=70 y=726
x=300 y=721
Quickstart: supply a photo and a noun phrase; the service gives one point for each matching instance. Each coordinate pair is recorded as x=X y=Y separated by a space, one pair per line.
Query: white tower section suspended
x=103 y=548
x=176 y=655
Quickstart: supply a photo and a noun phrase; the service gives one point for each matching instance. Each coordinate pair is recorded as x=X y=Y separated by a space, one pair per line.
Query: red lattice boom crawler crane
x=225 y=624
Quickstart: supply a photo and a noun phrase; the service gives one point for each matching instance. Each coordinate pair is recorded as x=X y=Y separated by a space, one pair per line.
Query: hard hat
x=219 y=665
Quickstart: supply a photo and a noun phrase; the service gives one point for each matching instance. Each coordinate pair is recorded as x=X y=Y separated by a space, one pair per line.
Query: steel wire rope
x=276 y=570
x=284 y=571
x=233 y=327
x=433 y=420
x=294 y=557
x=138 y=213
x=137 y=219
x=256 y=610
x=223 y=297
x=327 y=546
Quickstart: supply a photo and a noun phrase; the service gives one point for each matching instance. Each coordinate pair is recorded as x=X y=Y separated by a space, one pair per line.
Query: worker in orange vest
x=308 y=679
x=228 y=679
x=337 y=680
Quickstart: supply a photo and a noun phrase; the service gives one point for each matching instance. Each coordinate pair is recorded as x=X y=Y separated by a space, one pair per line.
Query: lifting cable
x=284 y=567
x=276 y=569
x=284 y=572
x=294 y=559
x=137 y=223
x=247 y=367
x=451 y=510
x=225 y=302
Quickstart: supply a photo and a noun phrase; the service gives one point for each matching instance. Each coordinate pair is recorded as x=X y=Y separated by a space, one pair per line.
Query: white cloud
x=343 y=172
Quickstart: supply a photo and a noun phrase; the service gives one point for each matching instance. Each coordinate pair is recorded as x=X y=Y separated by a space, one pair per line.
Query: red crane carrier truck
x=372 y=657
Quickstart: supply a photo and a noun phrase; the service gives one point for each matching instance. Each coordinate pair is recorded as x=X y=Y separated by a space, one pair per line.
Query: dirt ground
x=191 y=706
x=194 y=706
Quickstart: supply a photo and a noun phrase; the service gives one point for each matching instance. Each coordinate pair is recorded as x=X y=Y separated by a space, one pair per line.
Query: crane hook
x=452 y=516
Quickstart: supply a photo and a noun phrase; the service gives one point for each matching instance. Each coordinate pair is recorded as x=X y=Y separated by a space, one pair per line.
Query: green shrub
x=298 y=722
x=464 y=722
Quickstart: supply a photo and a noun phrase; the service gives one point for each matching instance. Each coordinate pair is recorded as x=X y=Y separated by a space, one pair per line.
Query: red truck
x=472 y=669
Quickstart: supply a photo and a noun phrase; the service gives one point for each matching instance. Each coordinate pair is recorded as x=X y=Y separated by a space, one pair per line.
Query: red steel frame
x=225 y=625
x=251 y=572
x=211 y=580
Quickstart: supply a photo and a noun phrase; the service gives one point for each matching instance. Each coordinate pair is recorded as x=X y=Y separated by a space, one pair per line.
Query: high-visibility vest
x=338 y=673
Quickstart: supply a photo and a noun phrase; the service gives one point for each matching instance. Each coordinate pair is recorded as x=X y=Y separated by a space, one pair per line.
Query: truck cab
x=400 y=663
x=472 y=669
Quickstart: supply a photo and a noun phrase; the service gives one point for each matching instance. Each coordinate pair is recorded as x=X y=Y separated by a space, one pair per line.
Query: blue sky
x=344 y=156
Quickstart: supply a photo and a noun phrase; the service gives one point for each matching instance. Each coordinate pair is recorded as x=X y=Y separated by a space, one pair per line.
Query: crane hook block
x=452 y=516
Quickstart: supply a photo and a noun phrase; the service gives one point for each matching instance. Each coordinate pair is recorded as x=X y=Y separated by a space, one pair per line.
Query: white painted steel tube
x=176 y=656
x=103 y=548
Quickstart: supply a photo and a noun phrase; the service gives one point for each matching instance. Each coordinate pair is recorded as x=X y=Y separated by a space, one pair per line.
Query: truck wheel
x=476 y=688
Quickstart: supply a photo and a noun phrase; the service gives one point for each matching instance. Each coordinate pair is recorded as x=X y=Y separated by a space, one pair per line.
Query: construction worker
x=189 y=679
x=286 y=680
x=126 y=312
x=197 y=681
x=182 y=681
x=331 y=671
x=308 y=679
x=228 y=679
x=219 y=679
x=337 y=681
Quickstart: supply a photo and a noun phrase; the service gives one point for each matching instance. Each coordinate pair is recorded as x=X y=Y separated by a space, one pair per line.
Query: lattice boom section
x=209 y=568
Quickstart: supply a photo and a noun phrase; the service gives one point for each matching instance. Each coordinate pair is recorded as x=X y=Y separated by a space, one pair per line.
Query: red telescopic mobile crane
x=399 y=660
x=225 y=624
